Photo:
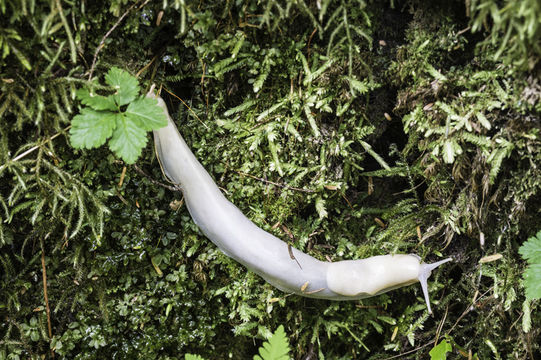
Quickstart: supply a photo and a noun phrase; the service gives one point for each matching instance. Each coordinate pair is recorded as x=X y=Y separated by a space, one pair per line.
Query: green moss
x=266 y=100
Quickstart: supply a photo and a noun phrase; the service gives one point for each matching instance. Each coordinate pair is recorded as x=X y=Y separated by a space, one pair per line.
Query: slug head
x=358 y=279
x=424 y=273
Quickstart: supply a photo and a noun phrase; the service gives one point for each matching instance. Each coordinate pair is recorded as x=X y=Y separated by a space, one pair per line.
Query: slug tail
x=424 y=274
x=164 y=132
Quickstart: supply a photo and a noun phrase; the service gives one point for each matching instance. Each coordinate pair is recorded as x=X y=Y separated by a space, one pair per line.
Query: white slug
x=266 y=255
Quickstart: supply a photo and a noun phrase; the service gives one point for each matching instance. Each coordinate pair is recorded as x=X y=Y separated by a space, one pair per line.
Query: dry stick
x=463 y=31
x=47 y=309
x=32 y=149
x=440 y=326
x=411 y=351
x=155 y=182
x=146 y=66
x=122 y=177
x=309 y=41
x=189 y=108
x=102 y=42
x=287 y=187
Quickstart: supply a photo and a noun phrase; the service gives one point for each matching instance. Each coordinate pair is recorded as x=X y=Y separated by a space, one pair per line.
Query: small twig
x=34 y=148
x=289 y=246
x=468 y=310
x=189 y=108
x=47 y=309
x=309 y=41
x=313 y=291
x=291 y=255
x=410 y=351
x=440 y=326
x=463 y=31
x=146 y=66
x=283 y=186
x=102 y=42
x=155 y=182
x=119 y=195
x=122 y=175
x=20 y=156
x=349 y=204
x=359 y=306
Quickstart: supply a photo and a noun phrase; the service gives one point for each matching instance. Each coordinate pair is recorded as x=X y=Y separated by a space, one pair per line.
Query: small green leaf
x=439 y=352
x=448 y=152
x=361 y=86
x=276 y=348
x=271 y=136
x=375 y=155
x=146 y=114
x=532 y=281
x=97 y=102
x=531 y=249
x=34 y=335
x=193 y=357
x=128 y=139
x=483 y=120
x=241 y=108
x=104 y=117
x=531 y=252
x=312 y=121
x=320 y=208
x=24 y=61
x=435 y=73
x=126 y=86
x=527 y=318
x=91 y=128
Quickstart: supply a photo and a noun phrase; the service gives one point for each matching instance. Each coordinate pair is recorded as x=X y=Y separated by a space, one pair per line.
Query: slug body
x=266 y=255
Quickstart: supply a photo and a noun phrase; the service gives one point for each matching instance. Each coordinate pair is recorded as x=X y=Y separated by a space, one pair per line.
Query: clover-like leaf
x=126 y=85
x=91 y=128
x=146 y=114
x=97 y=102
x=128 y=139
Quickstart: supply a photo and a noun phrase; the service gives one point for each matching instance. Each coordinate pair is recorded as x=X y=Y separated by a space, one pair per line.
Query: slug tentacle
x=284 y=267
x=424 y=274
